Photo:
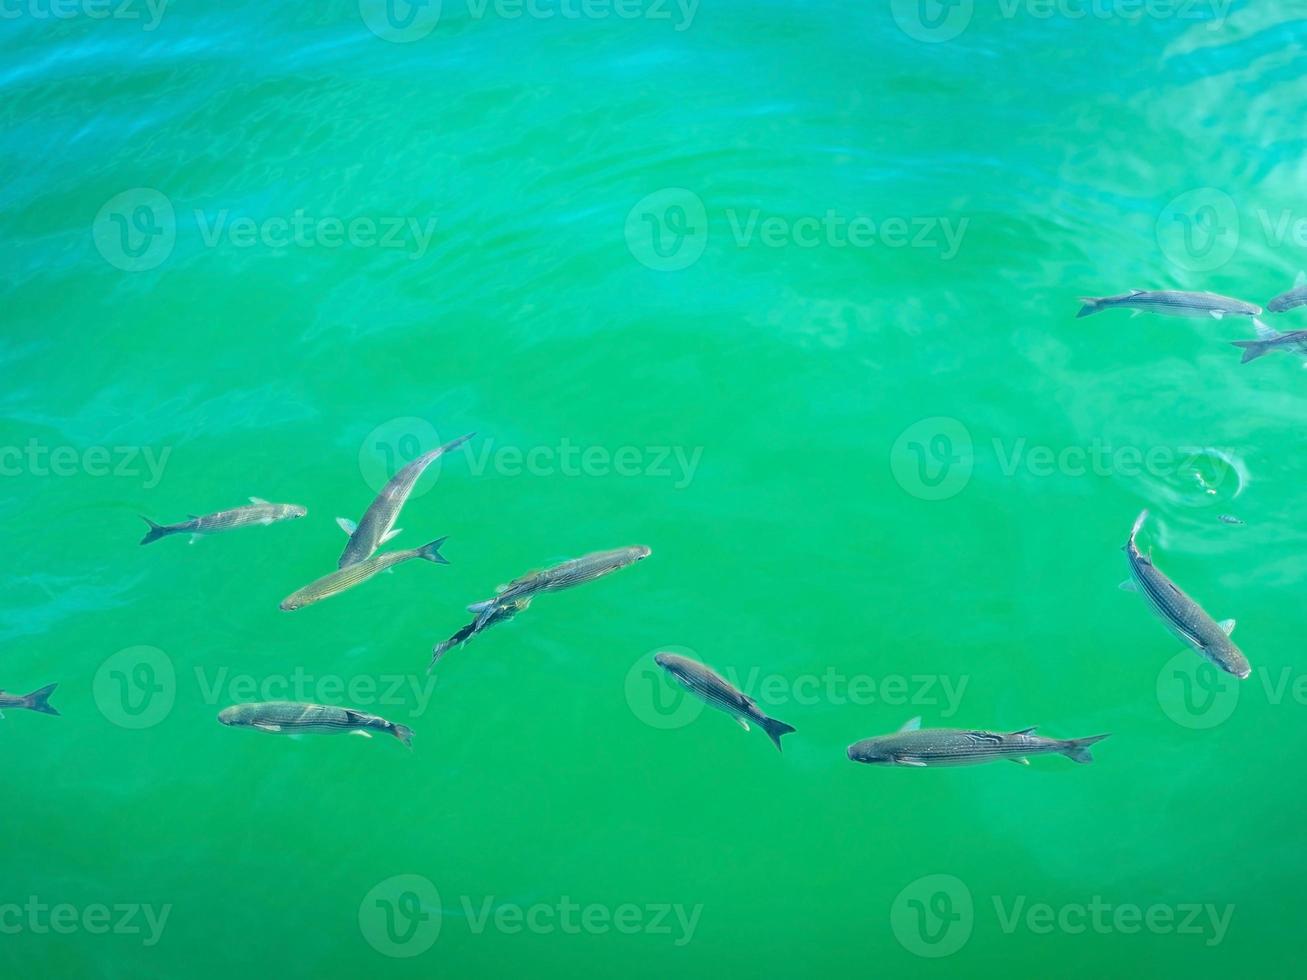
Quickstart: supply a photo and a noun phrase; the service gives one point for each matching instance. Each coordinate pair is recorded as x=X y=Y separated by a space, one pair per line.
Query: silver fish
x=715 y=690
x=377 y=526
x=1270 y=340
x=1232 y=520
x=259 y=511
x=1182 y=616
x=1288 y=301
x=351 y=575
x=912 y=745
x=38 y=701
x=296 y=718
x=1172 y=303
x=570 y=573
x=500 y=613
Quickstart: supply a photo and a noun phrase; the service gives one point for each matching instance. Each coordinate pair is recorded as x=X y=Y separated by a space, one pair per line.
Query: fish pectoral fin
x=193 y=539
x=1021 y=761
x=912 y=725
x=359 y=731
x=1227 y=626
x=258 y=500
x=1128 y=586
x=1135 y=292
x=742 y=723
x=393 y=532
x=907 y=760
x=267 y=726
x=1218 y=314
x=346 y=525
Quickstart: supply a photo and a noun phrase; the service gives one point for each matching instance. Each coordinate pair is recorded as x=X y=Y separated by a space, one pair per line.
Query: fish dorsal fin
x=353 y=715
x=912 y=725
x=259 y=500
x=1227 y=626
x=359 y=731
x=1136 y=292
x=346 y=525
x=1265 y=332
x=1025 y=731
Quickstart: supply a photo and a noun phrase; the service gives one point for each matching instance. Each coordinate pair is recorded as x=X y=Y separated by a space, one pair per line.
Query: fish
x=1231 y=519
x=377 y=526
x=38 y=701
x=713 y=689
x=915 y=746
x=351 y=575
x=499 y=614
x=297 y=718
x=1287 y=301
x=570 y=573
x=1182 y=616
x=1270 y=340
x=259 y=511
x=1170 y=302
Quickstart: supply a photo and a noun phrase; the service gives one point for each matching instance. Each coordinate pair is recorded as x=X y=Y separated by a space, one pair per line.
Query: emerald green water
x=785 y=292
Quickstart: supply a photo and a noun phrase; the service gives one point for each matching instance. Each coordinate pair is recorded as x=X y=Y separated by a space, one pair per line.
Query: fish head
x=871 y=751
x=672 y=663
x=296 y=511
x=640 y=552
x=288 y=605
x=1228 y=657
x=229 y=716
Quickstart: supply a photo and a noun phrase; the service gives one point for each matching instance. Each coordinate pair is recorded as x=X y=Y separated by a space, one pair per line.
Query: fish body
x=1270 y=340
x=915 y=746
x=38 y=701
x=1182 y=616
x=1171 y=302
x=297 y=718
x=377 y=526
x=499 y=613
x=713 y=689
x=258 y=511
x=1288 y=301
x=565 y=576
x=351 y=575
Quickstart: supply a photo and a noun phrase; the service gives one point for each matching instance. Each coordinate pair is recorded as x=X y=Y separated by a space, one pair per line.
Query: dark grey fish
x=1270 y=340
x=912 y=745
x=377 y=525
x=1172 y=303
x=259 y=511
x=38 y=701
x=500 y=613
x=1287 y=301
x=715 y=690
x=351 y=575
x=565 y=576
x=296 y=718
x=1182 y=616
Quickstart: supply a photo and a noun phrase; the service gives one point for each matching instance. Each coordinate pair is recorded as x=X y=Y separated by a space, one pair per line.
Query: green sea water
x=784 y=291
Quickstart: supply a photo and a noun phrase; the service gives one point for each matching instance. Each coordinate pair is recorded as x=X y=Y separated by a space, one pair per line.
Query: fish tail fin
x=431 y=552
x=403 y=733
x=1077 y=749
x=155 y=532
x=775 y=729
x=40 y=700
x=1252 y=349
x=439 y=651
x=1092 y=305
x=1138 y=526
